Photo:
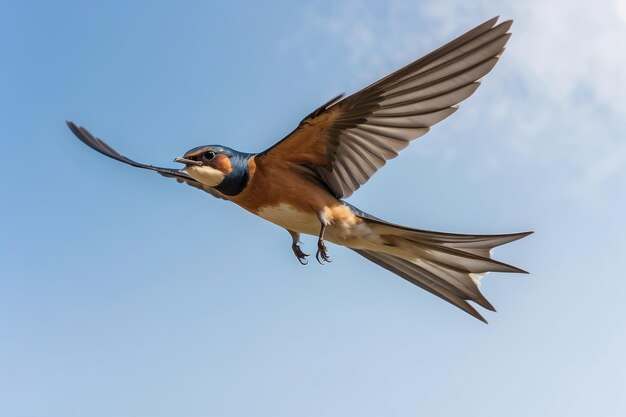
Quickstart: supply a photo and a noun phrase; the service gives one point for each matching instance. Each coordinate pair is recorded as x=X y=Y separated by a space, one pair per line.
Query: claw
x=299 y=254
x=321 y=253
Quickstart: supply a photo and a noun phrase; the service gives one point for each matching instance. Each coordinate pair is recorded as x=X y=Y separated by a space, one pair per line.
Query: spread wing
x=99 y=145
x=344 y=142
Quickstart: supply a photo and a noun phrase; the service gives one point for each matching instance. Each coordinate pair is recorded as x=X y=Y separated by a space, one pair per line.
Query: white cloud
x=570 y=47
x=621 y=9
x=566 y=61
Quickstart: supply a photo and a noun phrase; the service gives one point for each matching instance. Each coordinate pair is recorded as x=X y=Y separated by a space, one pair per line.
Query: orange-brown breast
x=282 y=183
x=284 y=195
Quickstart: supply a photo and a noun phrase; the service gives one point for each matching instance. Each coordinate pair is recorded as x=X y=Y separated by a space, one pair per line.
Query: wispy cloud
x=562 y=87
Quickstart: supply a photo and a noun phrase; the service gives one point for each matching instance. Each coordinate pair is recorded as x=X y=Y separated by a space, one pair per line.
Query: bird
x=301 y=182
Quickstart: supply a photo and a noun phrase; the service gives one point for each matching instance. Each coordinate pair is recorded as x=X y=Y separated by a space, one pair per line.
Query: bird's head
x=214 y=165
x=209 y=165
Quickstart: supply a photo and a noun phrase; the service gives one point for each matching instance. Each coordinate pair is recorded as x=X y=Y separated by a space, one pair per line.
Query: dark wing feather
x=99 y=145
x=346 y=141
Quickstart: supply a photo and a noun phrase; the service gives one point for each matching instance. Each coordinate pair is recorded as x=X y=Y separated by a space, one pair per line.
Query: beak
x=187 y=161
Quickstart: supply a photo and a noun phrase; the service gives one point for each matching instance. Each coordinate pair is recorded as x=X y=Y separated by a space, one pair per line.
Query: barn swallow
x=299 y=183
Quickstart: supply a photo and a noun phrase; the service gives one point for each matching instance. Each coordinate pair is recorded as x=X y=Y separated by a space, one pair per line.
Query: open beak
x=187 y=161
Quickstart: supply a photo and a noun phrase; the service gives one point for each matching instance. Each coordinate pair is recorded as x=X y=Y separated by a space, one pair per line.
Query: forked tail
x=445 y=264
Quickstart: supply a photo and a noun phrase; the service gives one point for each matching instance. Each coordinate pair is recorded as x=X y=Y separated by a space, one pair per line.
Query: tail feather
x=446 y=264
x=415 y=275
x=467 y=242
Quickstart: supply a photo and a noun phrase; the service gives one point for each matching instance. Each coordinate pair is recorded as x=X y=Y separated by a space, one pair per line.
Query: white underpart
x=288 y=217
x=206 y=175
x=356 y=236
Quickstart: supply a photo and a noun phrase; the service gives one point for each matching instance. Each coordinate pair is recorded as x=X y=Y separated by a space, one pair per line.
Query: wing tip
x=507 y=23
x=72 y=126
x=495 y=19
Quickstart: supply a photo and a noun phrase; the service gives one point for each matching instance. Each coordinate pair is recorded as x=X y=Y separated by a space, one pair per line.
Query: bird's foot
x=299 y=254
x=322 y=255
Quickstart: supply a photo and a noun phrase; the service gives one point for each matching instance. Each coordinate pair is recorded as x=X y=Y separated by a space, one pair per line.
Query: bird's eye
x=209 y=155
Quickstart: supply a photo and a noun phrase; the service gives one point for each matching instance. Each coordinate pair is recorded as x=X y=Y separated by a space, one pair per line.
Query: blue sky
x=125 y=294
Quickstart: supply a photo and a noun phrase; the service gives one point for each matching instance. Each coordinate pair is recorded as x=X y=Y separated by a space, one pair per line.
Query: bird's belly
x=355 y=235
x=291 y=218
